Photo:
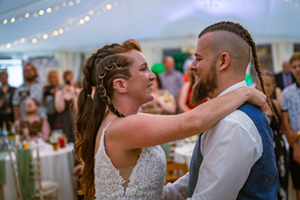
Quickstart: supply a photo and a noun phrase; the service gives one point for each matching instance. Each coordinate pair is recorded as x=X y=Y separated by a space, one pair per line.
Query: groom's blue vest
x=263 y=181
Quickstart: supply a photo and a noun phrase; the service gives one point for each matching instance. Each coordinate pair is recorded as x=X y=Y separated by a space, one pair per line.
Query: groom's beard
x=205 y=85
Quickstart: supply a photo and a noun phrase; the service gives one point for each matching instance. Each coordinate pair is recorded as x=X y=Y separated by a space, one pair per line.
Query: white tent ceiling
x=138 y=19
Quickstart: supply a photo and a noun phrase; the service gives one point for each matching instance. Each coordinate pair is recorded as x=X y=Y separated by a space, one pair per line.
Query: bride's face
x=140 y=84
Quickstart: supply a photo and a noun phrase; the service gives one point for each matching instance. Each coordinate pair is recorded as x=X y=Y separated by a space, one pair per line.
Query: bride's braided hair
x=104 y=66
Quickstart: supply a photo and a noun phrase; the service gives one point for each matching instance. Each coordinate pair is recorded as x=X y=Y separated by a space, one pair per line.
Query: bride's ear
x=120 y=85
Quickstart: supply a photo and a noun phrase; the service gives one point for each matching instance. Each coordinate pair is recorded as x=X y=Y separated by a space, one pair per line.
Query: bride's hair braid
x=91 y=110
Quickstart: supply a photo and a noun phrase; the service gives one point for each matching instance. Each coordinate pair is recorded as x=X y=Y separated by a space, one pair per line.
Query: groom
x=234 y=159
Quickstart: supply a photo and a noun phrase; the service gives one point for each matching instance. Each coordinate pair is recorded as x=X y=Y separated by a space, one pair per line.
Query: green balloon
x=158 y=68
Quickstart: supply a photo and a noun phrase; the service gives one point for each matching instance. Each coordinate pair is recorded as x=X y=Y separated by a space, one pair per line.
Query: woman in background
x=279 y=144
x=187 y=90
x=32 y=126
x=65 y=101
x=163 y=102
x=49 y=96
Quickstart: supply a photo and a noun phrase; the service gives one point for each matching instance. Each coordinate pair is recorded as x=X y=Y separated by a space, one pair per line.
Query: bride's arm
x=143 y=130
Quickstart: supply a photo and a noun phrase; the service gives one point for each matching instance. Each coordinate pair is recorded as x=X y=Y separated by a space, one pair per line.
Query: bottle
x=4 y=129
x=14 y=138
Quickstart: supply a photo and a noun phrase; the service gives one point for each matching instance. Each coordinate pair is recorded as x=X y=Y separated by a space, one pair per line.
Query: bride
x=120 y=148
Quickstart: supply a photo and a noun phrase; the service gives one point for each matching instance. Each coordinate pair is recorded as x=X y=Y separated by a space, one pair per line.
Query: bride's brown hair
x=104 y=66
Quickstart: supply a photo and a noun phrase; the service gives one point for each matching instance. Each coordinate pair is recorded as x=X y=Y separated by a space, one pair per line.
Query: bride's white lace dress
x=145 y=182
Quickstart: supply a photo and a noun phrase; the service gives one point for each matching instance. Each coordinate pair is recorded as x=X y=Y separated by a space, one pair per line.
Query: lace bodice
x=145 y=182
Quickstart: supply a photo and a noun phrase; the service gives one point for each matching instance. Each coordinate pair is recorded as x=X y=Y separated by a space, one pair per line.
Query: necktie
x=287 y=79
x=196 y=161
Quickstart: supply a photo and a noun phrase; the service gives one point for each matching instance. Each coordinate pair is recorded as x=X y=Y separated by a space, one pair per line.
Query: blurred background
x=64 y=33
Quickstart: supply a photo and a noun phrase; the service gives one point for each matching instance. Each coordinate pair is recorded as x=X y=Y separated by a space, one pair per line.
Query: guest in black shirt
x=6 y=107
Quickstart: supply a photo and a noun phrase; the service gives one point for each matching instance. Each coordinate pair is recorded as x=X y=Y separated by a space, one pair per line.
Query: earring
x=114 y=87
x=125 y=91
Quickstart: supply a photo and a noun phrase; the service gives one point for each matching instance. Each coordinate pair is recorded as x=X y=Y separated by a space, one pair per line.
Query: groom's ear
x=223 y=61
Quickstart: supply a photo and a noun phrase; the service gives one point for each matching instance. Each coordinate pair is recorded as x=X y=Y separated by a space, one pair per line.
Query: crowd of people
x=241 y=146
x=35 y=109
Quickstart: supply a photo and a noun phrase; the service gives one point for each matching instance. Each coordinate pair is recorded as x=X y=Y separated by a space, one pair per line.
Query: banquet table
x=55 y=166
x=183 y=154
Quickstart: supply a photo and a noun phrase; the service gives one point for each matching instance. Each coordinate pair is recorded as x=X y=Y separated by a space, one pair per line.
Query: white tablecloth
x=184 y=153
x=55 y=166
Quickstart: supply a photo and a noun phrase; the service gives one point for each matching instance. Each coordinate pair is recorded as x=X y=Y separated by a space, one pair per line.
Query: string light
x=296 y=2
x=81 y=21
x=61 y=30
x=108 y=6
x=40 y=12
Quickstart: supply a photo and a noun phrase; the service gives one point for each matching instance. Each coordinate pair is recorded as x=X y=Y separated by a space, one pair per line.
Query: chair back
x=34 y=172
x=14 y=168
x=175 y=170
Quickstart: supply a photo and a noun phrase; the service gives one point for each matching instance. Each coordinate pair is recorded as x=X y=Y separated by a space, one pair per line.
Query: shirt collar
x=233 y=87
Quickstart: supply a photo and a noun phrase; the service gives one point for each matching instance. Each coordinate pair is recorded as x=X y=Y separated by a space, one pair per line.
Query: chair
x=174 y=171
x=44 y=188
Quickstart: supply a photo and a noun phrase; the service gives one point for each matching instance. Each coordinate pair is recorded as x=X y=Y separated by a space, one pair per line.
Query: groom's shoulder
x=237 y=118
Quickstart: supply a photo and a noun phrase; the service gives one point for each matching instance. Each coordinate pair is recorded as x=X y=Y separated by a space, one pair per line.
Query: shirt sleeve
x=36 y=92
x=229 y=152
x=178 y=189
x=16 y=98
x=283 y=104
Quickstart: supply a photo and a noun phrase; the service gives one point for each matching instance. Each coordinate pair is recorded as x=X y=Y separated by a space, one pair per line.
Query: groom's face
x=204 y=67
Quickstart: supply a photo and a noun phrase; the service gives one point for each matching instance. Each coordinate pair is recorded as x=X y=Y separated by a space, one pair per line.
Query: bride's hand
x=256 y=97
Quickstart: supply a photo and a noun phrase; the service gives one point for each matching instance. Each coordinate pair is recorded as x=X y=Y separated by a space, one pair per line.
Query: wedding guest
x=117 y=145
x=32 y=87
x=281 y=153
x=163 y=102
x=291 y=120
x=6 y=107
x=49 y=95
x=184 y=99
x=285 y=78
x=32 y=125
x=171 y=79
x=65 y=101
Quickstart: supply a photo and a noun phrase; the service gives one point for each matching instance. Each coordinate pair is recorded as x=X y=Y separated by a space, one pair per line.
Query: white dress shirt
x=229 y=150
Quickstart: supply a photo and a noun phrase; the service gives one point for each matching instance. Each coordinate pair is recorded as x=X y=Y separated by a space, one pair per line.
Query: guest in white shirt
x=234 y=159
